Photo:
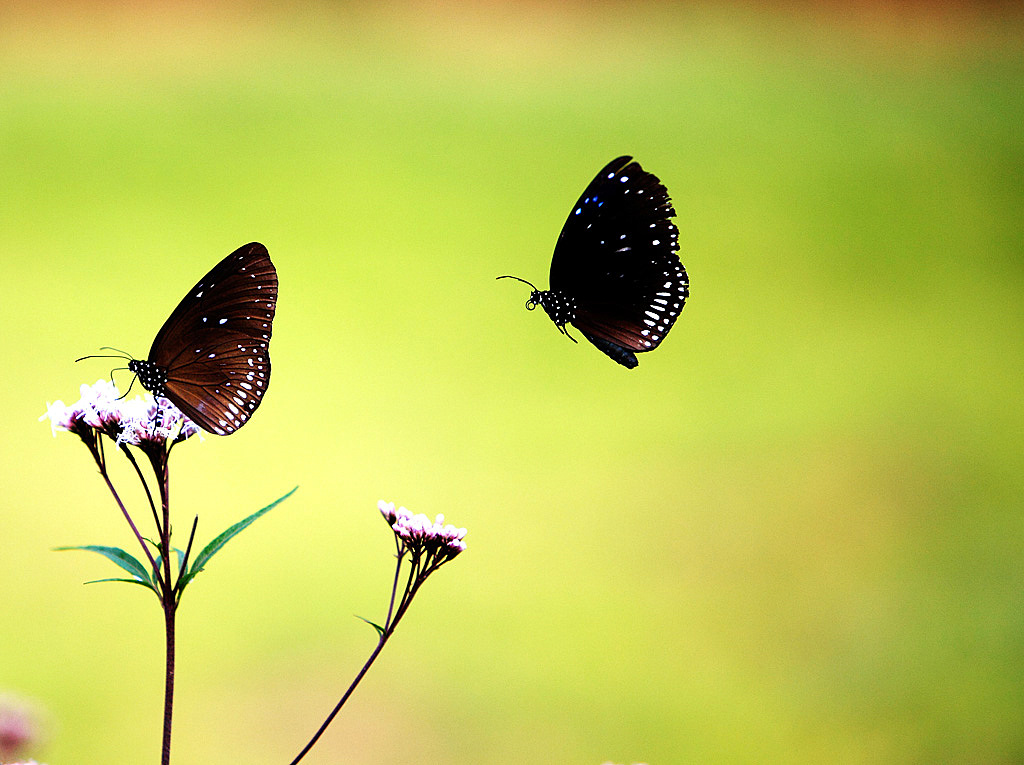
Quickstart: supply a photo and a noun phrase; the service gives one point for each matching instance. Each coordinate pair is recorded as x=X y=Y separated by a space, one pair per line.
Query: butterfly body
x=615 y=274
x=211 y=357
x=152 y=377
x=559 y=307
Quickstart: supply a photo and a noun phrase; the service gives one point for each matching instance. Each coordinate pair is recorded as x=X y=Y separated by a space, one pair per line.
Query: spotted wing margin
x=241 y=289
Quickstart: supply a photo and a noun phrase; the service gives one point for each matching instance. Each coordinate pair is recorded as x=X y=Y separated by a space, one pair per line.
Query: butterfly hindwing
x=223 y=392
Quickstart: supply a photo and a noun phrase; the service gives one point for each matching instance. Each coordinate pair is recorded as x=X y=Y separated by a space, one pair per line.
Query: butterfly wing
x=215 y=344
x=616 y=258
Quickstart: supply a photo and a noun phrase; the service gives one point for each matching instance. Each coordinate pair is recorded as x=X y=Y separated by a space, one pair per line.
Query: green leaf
x=380 y=630
x=116 y=579
x=121 y=558
x=218 y=542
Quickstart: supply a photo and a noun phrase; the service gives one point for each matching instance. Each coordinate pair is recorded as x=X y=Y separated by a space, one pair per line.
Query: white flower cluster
x=97 y=408
x=131 y=421
x=420 y=533
x=153 y=420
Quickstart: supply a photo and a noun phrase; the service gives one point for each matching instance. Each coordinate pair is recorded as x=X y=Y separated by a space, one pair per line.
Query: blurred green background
x=793 y=534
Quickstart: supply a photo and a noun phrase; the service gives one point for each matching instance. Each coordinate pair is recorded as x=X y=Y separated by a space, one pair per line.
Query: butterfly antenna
x=121 y=354
x=110 y=348
x=534 y=288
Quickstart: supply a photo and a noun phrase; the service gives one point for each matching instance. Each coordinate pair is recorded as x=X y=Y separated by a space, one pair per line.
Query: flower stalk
x=426 y=546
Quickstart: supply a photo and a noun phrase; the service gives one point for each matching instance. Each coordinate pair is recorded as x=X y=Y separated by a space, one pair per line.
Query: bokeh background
x=793 y=534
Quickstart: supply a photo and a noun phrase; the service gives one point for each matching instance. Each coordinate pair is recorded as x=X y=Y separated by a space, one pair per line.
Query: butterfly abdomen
x=617 y=353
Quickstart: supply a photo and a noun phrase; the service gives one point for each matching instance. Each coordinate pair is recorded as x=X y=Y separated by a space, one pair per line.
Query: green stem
x=168 y=599
x=165 y=758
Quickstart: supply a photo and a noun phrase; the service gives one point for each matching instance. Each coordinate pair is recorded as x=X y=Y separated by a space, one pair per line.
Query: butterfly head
x=537 y=297
x=559 y=307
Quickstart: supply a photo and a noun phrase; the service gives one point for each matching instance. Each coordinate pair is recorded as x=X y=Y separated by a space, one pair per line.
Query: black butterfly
x=615 y=274
x=211 y=357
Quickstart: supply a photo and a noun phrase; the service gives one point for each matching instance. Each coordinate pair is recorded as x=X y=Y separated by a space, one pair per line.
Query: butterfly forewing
x=215 y=344
x=616 y=259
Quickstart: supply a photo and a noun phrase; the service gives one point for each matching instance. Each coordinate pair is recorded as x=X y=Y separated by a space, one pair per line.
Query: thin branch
x=138 y=536
x=341 y=703
x=145 y=485
x=184 y=561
